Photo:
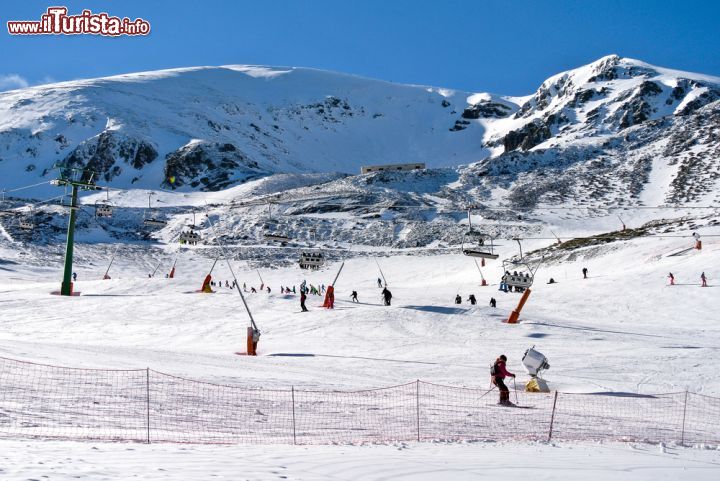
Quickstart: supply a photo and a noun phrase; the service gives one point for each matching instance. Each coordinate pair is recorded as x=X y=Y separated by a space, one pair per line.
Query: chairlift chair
x=190 y=237
x=149 y=219
x=154 y=222
x=478 y=249
x=521 y=280
x=277 y=237
x=26 y=224
x=103 y=210
x=522 y=275
x=311 y=260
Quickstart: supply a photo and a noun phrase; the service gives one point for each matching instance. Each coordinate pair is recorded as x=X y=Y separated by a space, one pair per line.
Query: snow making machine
x=535 y=362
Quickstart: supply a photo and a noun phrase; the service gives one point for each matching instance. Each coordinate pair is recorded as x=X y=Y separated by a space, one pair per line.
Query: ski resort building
x=365 y=169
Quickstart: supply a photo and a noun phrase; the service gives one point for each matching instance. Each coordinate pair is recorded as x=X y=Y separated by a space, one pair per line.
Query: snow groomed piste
x=146 y=405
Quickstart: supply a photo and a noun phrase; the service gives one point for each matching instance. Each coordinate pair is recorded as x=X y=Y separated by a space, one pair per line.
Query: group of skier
x=471 y=299
x=703 y=279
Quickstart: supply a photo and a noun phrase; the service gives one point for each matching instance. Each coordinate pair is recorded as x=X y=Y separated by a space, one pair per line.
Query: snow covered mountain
x=614 y=132
x=211 y=127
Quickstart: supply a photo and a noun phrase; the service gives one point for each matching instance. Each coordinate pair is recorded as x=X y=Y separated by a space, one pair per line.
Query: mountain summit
x=602 y=126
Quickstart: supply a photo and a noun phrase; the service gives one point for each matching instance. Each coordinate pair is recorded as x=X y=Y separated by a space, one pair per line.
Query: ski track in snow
x=20 y=460
x=622 y=330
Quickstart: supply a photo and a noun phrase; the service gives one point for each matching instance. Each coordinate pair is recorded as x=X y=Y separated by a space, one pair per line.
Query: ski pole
x=493 y=387
x=515 y=386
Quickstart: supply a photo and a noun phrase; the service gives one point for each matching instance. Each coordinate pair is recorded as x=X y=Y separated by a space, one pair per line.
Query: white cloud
x=12 y=81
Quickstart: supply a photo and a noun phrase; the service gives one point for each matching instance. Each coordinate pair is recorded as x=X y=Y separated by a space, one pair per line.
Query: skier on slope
x=672 y=279
x=498 y=373
x=472 y=300
x=458 y=299
x=354 y=297
x=703 y=279
x=493 y=302
x=584 y=271
x=379 y=282
x=387 y=296
x=303 y=297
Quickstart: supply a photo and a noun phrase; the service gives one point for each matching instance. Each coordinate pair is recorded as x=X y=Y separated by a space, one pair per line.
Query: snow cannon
x=535 y=362
x=253 y=336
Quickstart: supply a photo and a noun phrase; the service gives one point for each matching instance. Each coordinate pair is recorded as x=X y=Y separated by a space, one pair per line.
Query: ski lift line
x=47 y=200
x=213 y=266
x=487 y=208
x=112 y=259
x=479 y=270
x=232 y=272
x=381 y=272
x=25 y=187
x=609 y=236
x=156 y=269
x=338 y=274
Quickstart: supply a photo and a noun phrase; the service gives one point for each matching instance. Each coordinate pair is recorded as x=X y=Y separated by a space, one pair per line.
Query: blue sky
x=503 y=46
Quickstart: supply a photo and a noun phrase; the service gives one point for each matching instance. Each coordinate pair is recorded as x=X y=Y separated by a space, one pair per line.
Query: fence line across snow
x=43 y=401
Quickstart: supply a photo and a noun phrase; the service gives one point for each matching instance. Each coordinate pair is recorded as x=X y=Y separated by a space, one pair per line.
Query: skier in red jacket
x=499 y=373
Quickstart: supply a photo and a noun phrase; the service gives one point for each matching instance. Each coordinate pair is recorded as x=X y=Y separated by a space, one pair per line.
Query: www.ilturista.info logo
x=56 y=21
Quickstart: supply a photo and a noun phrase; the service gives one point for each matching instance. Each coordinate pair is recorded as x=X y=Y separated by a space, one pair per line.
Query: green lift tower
x=76 y=179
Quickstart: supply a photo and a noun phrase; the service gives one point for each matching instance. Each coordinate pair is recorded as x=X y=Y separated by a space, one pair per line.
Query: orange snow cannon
x=253 y=337
x=206 y=285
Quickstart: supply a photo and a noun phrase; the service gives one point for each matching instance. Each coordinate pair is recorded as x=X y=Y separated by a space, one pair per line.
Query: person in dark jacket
x=493 y=302
x=458 y=299
x=303 y=297
x=472 y=300
x=387 y=296
x=354 y=297
x=498 y=374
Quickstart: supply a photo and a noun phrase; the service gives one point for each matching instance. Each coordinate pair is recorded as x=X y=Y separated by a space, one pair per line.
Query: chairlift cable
x=381 y=272
x=26 y=187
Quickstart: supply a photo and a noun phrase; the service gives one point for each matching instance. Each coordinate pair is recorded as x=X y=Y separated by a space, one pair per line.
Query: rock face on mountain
x=208 y=166
x=614 y=130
